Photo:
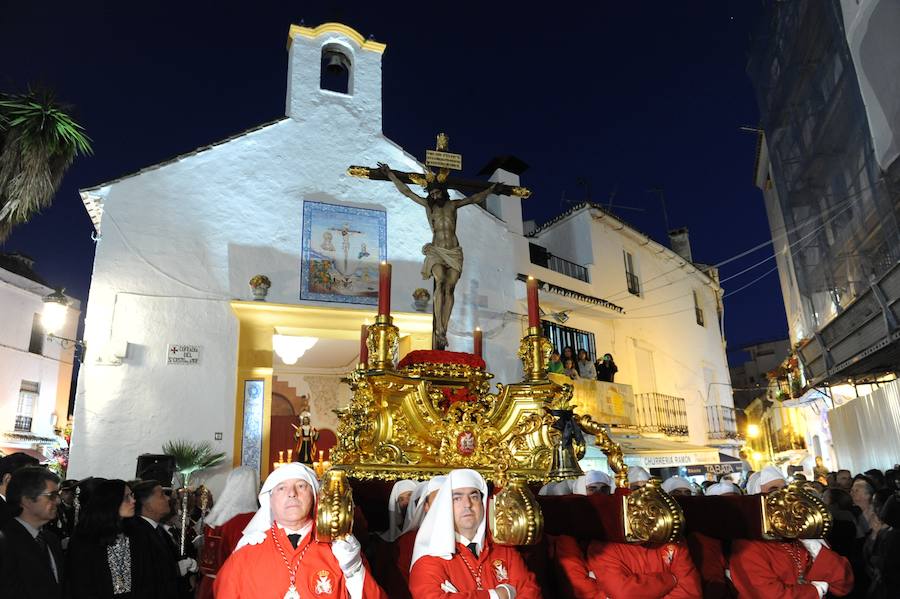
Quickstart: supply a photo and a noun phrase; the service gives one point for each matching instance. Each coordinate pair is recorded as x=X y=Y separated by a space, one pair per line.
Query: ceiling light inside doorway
x=290 y=348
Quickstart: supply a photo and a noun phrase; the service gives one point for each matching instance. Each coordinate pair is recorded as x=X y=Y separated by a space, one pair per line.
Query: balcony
x=721 y=422
x=607 y=403
x=23 y=424
x=541 y=256
x=660 y=413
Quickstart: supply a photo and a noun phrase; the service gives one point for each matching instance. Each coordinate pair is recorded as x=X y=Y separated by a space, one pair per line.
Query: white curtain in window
x=866 y=431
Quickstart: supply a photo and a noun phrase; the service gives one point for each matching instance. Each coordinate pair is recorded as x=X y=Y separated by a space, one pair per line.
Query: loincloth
x=434 y=256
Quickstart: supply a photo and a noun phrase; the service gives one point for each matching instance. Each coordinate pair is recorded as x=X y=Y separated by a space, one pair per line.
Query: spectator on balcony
x=568 y=353
x=556 y=365
x=570 y=369
x=606 y=369
x=586 y=368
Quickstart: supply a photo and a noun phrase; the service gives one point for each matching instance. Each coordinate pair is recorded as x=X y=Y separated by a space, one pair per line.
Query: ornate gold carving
x=383 y=342
x=443 y=142
x=418 y=179
x=612 y=450
x=334 y=515
x=521 y=192
x=515 y=517
x=794 y=513
x=650 y=515
x=359 y=171
x=534 y=352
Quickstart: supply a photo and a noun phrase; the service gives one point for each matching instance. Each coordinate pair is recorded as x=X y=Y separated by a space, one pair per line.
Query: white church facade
x=178 y=348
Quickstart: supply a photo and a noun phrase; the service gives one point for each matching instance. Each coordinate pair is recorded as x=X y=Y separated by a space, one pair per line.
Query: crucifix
x=443 y=256
x=346 y=233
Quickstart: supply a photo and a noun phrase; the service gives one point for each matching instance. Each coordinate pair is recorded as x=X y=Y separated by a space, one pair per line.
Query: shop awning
x=663 y=453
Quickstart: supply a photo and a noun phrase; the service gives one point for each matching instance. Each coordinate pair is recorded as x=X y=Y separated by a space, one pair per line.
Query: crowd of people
x=578 y=365
x=101 y=538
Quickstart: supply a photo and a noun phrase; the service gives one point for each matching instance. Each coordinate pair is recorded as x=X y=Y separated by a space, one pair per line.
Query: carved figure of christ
x=443 y=256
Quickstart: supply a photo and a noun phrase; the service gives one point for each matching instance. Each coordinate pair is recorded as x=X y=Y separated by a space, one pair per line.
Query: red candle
x=363 y=346
x=384 y=289
x=477 y=349
x=534 y=311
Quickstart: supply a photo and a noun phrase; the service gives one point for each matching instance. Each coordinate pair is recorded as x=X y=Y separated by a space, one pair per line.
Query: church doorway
x=277 y=394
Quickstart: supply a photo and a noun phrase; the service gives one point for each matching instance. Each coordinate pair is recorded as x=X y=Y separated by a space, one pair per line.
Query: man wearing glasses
x=31 y=561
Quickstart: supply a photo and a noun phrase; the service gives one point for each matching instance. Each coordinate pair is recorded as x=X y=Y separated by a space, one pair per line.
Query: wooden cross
x=444 y=161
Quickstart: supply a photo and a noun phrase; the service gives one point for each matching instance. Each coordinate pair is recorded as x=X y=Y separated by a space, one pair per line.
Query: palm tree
x=38 y=142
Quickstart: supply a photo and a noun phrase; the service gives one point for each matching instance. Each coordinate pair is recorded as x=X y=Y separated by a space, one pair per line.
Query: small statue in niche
x=307 y=436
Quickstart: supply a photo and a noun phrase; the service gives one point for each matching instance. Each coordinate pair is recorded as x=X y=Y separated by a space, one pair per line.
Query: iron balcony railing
x=541 y=256
x=23 y=424
x=568 y=268
x=634 y=284
x=660 y=413
x=721 y=422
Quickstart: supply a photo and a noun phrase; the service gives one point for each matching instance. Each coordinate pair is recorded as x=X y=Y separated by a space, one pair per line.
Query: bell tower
x=334 y=76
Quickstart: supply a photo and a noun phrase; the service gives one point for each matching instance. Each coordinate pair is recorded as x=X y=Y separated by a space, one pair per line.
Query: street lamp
x=752 y=431
x=53 y=317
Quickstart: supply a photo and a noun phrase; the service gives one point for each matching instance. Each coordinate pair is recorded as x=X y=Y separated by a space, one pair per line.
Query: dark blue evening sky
x=624 y=96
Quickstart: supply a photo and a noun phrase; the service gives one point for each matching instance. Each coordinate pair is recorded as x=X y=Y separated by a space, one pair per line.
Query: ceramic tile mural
x=342 y=247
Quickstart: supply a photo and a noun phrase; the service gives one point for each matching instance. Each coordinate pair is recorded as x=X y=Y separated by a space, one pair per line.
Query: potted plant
x=420 y=299
x=260 y=286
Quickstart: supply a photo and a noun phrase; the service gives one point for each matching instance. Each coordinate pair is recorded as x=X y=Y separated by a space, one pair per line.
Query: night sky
x=601 y=100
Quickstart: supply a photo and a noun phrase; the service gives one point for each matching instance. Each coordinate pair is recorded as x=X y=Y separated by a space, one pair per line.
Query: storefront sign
x=183 y=354
x=668 y=460
x=717 y=469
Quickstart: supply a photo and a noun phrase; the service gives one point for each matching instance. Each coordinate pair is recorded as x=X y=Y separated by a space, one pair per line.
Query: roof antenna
x=659 y=191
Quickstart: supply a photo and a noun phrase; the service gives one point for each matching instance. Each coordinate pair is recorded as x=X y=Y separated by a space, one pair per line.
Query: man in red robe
x=644 y=571
x=454 y=557
x=804 y=569
x=223 y=526
x=278 y=555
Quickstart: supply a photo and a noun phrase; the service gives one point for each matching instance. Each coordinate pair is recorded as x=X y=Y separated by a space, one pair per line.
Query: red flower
x=434 y=356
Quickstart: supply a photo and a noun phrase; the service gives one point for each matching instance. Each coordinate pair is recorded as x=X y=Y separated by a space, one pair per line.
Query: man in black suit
x=8 y=465
x=31 y=561
x=156 y=568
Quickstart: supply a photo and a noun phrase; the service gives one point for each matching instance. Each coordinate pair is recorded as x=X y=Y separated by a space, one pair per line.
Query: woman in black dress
x=99 y=553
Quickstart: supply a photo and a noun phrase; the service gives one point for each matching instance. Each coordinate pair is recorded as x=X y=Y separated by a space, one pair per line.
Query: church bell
x=563 y=463
x=336 y=62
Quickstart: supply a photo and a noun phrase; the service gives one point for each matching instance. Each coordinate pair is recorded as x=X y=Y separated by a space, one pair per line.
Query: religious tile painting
x=252 y=429
x=342 y=247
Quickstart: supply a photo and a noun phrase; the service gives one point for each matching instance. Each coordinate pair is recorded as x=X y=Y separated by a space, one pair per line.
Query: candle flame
x=530 y=278
x=477 y=328
x=384 y=261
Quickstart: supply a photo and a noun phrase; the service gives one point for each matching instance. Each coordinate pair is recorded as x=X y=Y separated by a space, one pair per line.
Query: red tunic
x=767 y=569
x=639 y=572
x=572 y=570
x=497 y=564
x=257 y=571
x=218 y=544
x=709 y=557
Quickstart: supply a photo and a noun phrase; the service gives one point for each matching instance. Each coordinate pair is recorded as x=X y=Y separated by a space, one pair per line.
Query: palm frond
x=191 y=457
x=38 y=142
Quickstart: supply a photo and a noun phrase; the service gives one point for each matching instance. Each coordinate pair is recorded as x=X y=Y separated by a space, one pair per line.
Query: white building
x=180 y=241
x=35 y=372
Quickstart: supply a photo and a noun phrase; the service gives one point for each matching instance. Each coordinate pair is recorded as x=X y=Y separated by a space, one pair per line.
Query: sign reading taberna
x=183 y=354
x=717 y=469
